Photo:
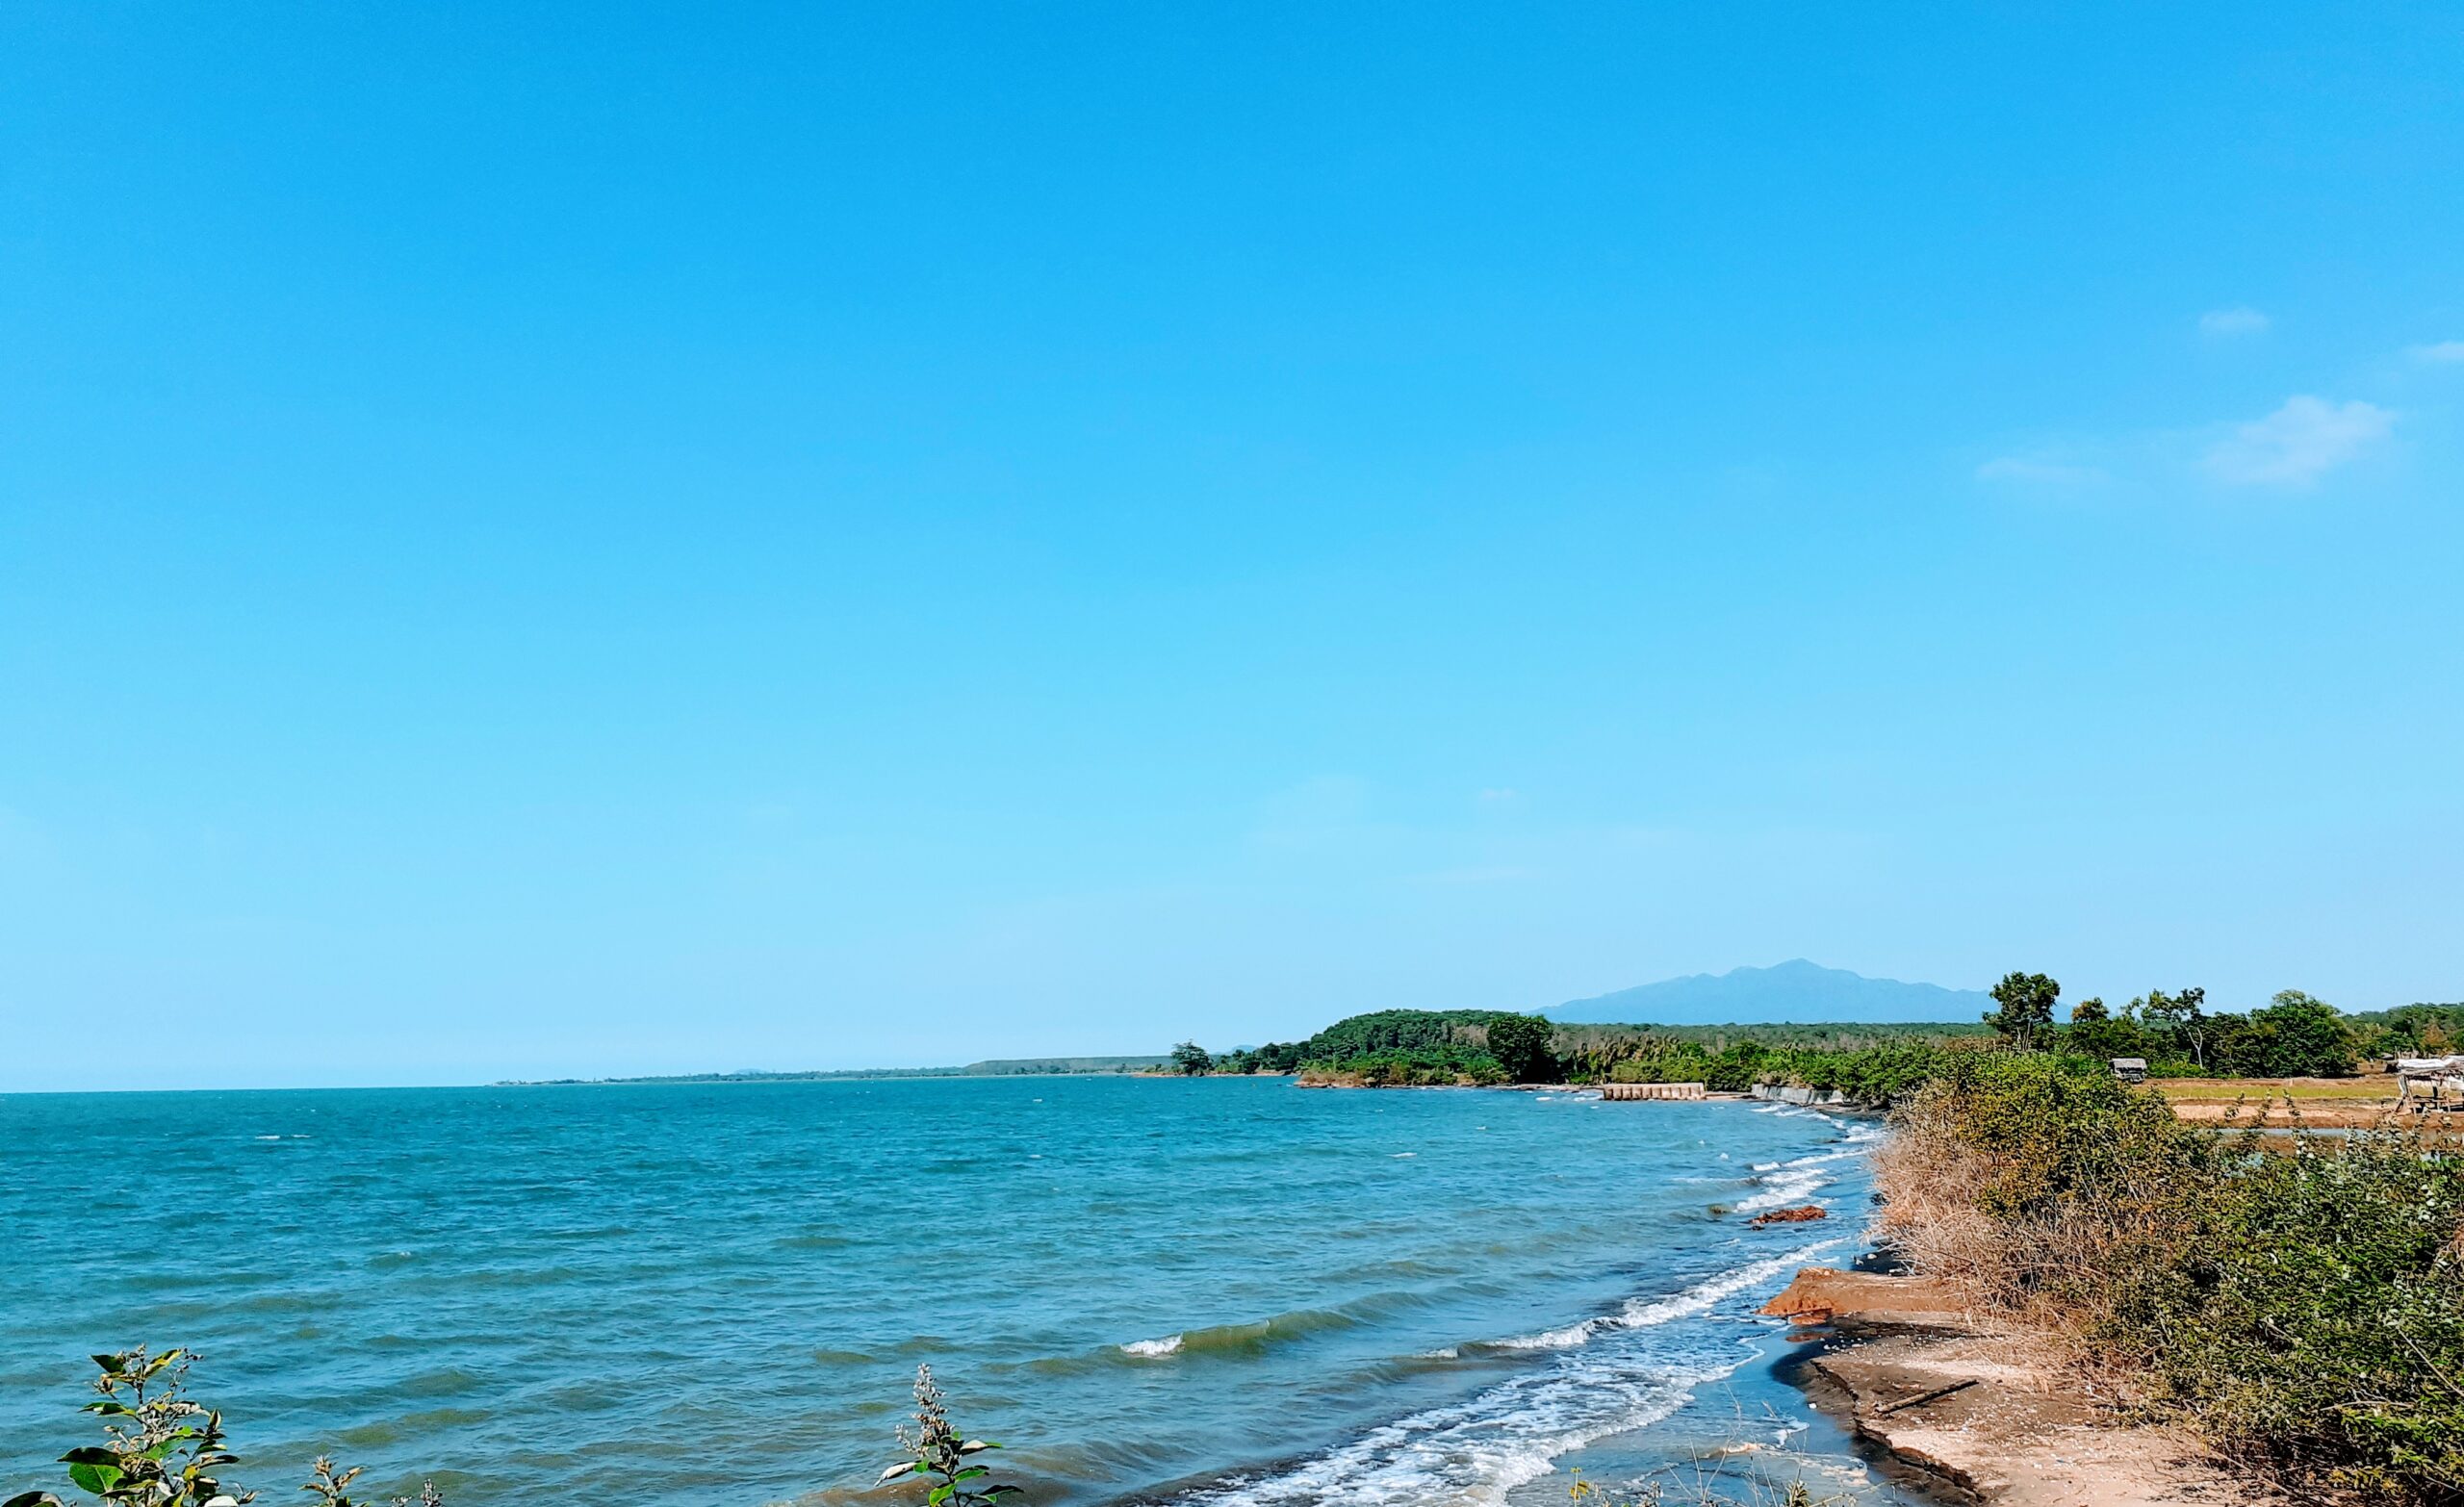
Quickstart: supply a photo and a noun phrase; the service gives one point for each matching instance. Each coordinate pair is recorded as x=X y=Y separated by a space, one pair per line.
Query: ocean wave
x=1649 y=1312
x=1780 y=1189
x=1241 y=1339
x=1562 y=1338
x=1644 y=1312
x=1476 y=1451
x=1824 y=1158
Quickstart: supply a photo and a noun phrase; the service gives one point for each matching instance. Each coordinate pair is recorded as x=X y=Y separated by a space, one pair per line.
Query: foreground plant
x=940 y=1455
x=162 y=1448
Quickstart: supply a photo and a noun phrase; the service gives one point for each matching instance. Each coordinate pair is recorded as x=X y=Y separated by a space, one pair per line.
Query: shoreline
x=1983 y=1412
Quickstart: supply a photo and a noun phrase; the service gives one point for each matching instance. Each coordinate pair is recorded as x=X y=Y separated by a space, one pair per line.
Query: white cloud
x=2299 y=443
x=2037 y=472
x=2239 y=319
x=2440 y=353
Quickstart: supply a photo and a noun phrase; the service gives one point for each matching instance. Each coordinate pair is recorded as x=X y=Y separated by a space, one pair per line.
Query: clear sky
x=588 y=538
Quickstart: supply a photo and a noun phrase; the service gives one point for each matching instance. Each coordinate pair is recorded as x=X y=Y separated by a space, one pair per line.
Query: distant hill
x=1796 y=990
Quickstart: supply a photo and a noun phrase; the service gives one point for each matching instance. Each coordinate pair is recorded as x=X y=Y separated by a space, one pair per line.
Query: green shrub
x=2300 y=1304
x=2297 y=1036
x=162 y=1448
x=2326 y=1316
x=938 y=1453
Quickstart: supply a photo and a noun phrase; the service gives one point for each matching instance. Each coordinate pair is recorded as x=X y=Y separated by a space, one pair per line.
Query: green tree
x=2098 y=1031
x=1190 y=1059
x=2295 y=1037
x=2181 y=1016
x=1520 y=1045
x=2026 y=1014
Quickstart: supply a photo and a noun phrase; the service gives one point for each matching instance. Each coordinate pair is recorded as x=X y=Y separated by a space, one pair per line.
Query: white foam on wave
x=1475 y=1453
x=1168 y=1345
x=1565 y=1339
x=1781 y=1189
x=1823 y=1158
x=1644 y=1312
x=1783 y=1182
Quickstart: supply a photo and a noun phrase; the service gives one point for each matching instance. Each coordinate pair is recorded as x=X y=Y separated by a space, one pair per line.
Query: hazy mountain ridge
x=1796 y=990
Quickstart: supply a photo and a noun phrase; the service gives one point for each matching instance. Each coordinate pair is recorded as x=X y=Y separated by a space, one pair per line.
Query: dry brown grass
x=2047 y=1281
x=1929 y=1213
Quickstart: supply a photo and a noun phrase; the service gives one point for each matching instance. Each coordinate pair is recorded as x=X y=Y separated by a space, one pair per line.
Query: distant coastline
x=996 y=1067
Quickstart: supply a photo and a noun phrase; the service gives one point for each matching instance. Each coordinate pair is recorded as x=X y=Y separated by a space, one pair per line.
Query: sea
x=1217 y=1292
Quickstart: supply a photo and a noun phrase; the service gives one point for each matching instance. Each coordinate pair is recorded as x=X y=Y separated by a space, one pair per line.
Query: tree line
x=2174 y=1031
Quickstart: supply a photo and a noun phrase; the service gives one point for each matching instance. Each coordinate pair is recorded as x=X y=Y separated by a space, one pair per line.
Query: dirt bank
x=1987 y=1413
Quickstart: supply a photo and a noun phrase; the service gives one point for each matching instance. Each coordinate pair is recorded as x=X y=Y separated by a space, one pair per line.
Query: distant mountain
x=1796 y=990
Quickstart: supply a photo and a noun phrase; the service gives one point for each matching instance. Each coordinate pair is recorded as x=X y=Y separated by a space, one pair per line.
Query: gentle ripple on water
x=718 y=1293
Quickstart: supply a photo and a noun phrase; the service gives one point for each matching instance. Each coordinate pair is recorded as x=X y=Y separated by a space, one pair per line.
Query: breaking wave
x=1241 y=1339
x=1612 y=1373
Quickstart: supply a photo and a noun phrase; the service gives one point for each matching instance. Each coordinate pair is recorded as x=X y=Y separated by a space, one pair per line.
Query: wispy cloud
x=2440 y=353
x=2239 y=319
x=2037 y=470
x=2297 y=443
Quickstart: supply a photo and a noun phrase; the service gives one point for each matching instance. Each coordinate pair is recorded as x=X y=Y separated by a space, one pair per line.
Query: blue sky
x=587 y=539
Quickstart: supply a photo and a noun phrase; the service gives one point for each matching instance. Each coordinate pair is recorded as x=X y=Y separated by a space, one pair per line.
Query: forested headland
x=2174 y=1031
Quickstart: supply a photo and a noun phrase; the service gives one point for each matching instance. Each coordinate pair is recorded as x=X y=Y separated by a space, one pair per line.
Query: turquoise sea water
x=1233 y=1292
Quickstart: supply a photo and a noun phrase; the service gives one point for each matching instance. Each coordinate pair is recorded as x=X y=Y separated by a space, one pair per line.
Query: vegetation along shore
x=2173 y=1278
x=2108 y=1302
x=2173 y=1035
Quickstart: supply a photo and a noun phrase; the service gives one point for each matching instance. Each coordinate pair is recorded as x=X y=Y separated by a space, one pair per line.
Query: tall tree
x=1520 y=1045
x=2182 y=1016
x=2026 y=1012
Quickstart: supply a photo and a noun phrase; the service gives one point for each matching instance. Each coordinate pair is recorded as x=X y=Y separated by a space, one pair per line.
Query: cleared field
x=2319 y=1103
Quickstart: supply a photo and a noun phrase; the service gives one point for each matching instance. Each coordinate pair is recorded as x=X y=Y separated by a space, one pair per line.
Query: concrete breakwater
x=1789 y=1094
x=1652 y=1091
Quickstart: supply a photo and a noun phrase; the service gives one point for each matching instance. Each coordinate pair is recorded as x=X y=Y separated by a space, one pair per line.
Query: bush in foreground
x=160 y=1448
